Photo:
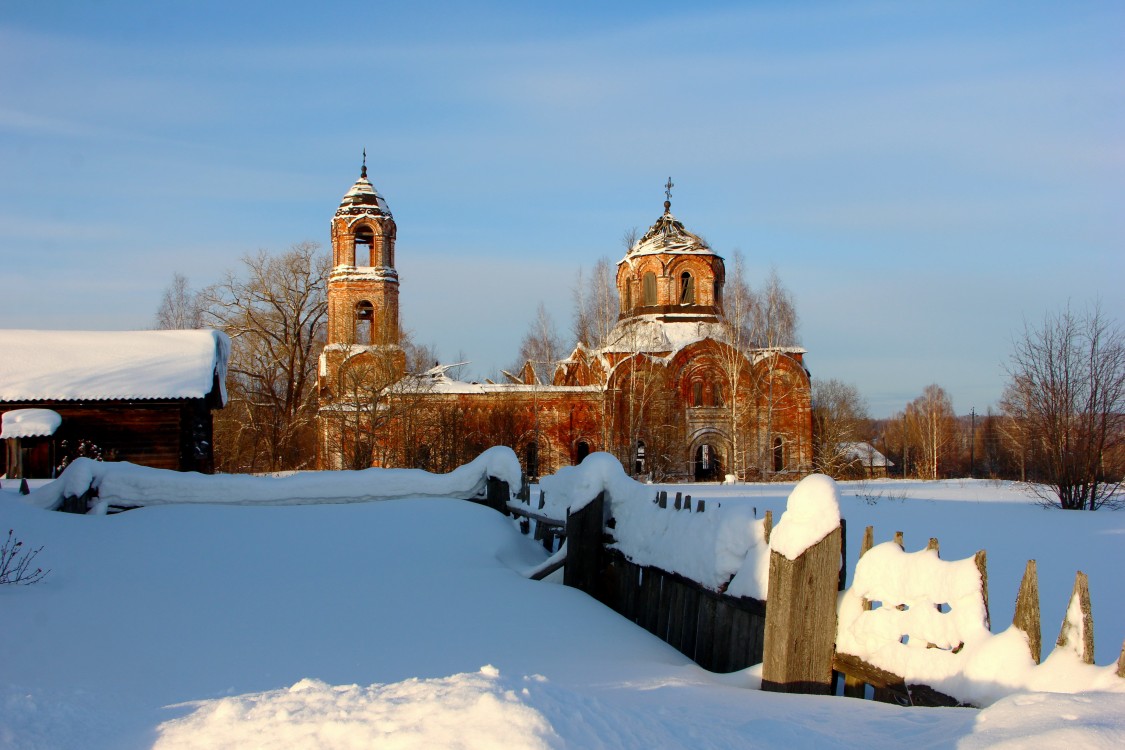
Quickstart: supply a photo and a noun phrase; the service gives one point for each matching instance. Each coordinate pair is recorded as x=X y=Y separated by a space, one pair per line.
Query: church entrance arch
x=707 y=464
x=708 y=459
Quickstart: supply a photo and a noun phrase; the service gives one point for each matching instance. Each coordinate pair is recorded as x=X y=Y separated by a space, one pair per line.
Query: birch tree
x=595 y=305
x=773 y=326
x=181 y=307
x=931 y=425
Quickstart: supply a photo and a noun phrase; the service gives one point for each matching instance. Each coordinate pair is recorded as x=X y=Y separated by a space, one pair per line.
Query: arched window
x=364 y=240
x=687 y=289
x=639 y=458
x=717 y=294
x=364 y=323
x=697 y=393
x=628 y=294
x=649 y=283
x=582 y=450
x=778 y=454
x=716 y=394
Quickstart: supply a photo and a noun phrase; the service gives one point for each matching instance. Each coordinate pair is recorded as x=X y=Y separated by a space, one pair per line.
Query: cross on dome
x=363 y=171
x=668 y=195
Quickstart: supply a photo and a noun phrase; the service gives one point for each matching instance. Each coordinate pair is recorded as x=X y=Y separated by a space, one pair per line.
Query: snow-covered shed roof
x=26 y=423
x=865 y=453
x=111 y=365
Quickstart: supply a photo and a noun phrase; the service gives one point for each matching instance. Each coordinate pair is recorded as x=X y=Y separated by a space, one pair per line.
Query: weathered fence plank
x=1083 y=641
x=1027 y=611
x=584 y=547
x=801 y=619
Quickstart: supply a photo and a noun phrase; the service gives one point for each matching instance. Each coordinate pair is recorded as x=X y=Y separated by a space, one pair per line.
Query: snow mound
x=128 y=484
x=1050 y=720
x=811 y=513
x=25 y=423
x=461 y=711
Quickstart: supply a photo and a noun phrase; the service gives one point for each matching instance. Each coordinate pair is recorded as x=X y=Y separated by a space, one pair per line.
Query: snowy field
x=409 y=623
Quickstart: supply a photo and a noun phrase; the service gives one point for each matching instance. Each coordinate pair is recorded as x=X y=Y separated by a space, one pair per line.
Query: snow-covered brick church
x=677 y=392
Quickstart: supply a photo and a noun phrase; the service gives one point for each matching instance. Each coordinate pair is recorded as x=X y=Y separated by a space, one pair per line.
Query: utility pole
x=972 y=441
x=904 y=443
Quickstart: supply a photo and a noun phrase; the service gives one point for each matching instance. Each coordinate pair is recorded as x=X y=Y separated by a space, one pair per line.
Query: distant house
x=139 y=396
x=863 y=460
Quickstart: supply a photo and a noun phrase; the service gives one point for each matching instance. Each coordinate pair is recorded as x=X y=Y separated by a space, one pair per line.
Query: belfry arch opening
x=364 y=323
x=687 y=289
x=364 y=243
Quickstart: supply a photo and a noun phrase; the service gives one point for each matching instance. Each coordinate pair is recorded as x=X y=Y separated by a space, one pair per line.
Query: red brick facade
x=669 y=395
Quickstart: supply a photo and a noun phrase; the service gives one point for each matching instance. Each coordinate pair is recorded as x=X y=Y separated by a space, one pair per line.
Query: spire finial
x=363 y=171
x=668 y=194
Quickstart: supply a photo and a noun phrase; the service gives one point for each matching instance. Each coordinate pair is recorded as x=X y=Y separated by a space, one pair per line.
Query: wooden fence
x=794 y=637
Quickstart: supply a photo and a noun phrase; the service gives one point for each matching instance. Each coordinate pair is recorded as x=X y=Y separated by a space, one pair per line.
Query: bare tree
x=931 y=426
x=1067 y=396
x=740 y=312
x=540 y=346
x=839 y=420
x=595 y=305
x=180 y=307
x=630 y=237
x=773 y=327
x=275 y=312
x=371 y=396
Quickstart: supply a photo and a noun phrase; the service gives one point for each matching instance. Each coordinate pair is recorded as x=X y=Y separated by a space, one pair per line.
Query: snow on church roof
x=109 y=365
x=668 y=235
x=363 y=199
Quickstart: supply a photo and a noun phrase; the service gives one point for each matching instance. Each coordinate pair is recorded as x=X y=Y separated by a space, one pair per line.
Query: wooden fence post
x=801 y=619
x=1027 y=611
x=584 y=529
x=854 y=687
x=496 y=495
x=1082 y=641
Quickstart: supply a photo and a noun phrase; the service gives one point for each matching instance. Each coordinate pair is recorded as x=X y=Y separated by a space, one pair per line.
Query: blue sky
x=924 y=176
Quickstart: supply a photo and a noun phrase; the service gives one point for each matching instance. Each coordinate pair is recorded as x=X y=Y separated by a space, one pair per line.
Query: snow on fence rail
x=914 y=627
x=917 y=628
x=95 y=487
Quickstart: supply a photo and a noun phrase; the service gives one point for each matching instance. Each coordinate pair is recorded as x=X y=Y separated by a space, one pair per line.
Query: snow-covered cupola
x=671 y=272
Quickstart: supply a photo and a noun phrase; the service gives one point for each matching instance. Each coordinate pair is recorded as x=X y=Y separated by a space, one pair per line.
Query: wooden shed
x=139 y=396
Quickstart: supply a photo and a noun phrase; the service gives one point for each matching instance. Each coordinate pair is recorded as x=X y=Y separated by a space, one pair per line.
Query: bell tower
x=363 y=284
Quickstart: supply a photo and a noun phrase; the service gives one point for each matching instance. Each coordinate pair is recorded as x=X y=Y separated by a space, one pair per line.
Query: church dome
x=668 y=235
x=363 y=200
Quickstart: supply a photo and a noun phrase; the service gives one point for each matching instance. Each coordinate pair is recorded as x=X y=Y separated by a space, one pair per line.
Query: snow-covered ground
x=409 y=623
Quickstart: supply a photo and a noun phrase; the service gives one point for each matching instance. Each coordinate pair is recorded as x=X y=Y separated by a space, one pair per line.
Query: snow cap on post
x=811 y=513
